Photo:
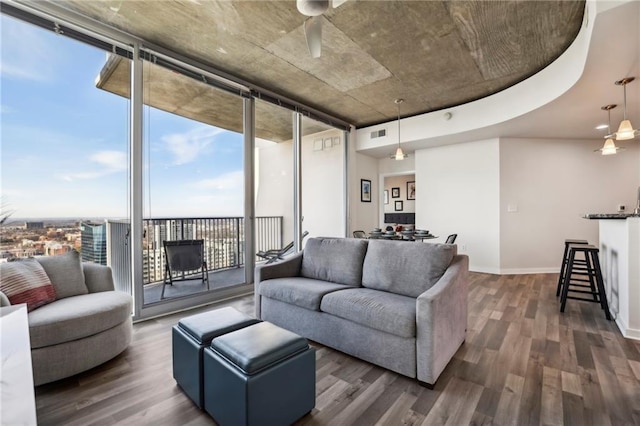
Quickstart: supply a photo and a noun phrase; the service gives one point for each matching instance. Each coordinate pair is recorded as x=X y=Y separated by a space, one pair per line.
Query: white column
x=249 y=188
x=136 y=189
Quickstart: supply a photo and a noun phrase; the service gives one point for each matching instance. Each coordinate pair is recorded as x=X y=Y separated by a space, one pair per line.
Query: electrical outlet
x=621 y=208
x=463 y=247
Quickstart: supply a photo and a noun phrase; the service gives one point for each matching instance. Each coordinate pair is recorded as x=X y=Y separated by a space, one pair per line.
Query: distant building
x=94 y=242
x=34 y=225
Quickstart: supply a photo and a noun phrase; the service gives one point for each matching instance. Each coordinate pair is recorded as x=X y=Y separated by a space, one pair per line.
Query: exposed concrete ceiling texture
x=434 y=54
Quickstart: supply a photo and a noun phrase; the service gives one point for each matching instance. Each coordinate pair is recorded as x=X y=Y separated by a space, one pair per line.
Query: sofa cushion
x=338 y=260
x=65 y=273
x=380 y=310
x=303 y=292
x=77 y=317
x=25 y=281
x=407 y=268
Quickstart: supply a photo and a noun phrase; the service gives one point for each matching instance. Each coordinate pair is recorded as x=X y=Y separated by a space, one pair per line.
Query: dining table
x=399 y=236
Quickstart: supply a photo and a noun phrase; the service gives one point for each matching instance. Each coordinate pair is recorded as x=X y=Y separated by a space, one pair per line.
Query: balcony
x=223 y=249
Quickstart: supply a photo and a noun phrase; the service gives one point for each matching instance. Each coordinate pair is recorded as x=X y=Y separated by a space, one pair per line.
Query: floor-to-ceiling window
x=190 y=158
x=193 y=183
x=64 y=153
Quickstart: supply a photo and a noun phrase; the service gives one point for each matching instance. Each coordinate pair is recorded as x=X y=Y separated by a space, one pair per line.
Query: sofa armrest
x=441 y=320
x=4 y=300
x=97 y=277
x=289 y=267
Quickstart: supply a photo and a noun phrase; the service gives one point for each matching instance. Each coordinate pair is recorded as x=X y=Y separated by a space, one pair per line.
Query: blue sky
x=64 y=141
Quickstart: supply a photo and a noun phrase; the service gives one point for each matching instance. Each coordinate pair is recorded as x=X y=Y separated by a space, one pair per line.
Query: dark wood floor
x=523 y=363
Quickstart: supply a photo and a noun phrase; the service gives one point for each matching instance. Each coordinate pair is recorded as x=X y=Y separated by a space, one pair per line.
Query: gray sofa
x=88 y=324
x=400 y=305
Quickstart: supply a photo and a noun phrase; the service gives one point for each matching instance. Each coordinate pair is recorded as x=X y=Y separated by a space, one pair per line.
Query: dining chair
x=451 y=239
x=359 y=234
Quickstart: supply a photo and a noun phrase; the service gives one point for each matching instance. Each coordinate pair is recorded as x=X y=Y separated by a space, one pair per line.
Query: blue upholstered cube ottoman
x=189 y=338
x=259 y=375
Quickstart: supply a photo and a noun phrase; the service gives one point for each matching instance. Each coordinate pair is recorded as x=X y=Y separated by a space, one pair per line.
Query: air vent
x=378 y=133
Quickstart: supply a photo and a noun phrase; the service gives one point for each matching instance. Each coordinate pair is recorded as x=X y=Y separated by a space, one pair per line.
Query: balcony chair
x=185 y=256
x=359 y=234
x=277 y=254
x=451 y=239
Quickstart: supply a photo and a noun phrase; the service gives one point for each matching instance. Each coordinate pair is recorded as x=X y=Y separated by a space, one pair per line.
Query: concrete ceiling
x=434 y=54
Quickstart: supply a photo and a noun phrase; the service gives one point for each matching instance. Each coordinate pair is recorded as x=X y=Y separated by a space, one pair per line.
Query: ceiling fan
x=313 y=25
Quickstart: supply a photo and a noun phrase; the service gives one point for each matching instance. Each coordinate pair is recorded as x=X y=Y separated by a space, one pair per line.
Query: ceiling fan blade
x=313 y=34
x=338 y=3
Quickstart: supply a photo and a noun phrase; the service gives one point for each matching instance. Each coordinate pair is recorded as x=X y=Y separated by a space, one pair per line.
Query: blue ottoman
x=259 y=375
x=191 y=336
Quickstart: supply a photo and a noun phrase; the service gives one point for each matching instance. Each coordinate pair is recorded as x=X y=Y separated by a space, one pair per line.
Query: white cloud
x=25 y=50
x=110 y=162
x=232 y=181
x=186 y=147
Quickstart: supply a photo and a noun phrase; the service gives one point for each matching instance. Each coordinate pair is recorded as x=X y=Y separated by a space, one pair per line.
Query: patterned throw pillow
x=25 y=281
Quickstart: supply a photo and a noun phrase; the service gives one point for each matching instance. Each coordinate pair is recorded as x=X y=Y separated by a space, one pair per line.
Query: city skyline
x=65 y=142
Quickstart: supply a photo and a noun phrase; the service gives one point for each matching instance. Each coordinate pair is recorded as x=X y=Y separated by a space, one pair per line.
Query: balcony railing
x=223 y=243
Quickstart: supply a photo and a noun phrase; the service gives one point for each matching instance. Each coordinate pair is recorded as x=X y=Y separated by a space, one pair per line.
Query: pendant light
x=625 y=130
x=399 y=155
x=609 y=146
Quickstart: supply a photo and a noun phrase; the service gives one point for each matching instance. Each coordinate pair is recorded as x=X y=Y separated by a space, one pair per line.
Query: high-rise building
x=94 y=242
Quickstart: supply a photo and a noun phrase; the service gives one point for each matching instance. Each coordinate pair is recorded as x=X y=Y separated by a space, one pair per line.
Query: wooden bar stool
x=593 y=272
x=565 y=261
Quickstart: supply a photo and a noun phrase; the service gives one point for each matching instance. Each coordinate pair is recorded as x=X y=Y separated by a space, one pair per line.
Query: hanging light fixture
x=399 y=155
x=625 y=130
x=609 y=146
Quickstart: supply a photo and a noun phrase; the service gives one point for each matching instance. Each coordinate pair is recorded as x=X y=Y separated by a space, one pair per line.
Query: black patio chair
x=278 y=254
x=185 y=257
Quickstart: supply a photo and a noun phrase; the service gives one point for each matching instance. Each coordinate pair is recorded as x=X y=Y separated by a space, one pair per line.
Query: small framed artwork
x=398 y=206
x=365 y=190
x=395 y=192
x=336 y=140
x=317 y=145
x=386 y=196
x=328 y=143
x=411 y=190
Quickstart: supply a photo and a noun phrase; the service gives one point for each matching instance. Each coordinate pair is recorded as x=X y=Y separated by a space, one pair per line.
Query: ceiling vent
x=378 y=133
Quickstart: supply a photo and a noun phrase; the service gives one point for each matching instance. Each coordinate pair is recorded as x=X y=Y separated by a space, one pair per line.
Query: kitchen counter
x=620 y=261
x=609 y=215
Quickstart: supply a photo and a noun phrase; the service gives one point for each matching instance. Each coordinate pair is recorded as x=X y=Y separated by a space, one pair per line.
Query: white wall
x=548 y=185
x=274 y=184
x=364 y=216
x=552 y=184
x=458 y=192
x=322 y=185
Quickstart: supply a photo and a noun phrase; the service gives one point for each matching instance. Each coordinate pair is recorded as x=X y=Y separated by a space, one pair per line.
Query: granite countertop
x=609 y=215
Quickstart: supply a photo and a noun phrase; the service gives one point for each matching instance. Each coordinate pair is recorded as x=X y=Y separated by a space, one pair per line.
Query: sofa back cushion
x=337 y=260
x=25 y=281
x=65 y=273
x=407 y=268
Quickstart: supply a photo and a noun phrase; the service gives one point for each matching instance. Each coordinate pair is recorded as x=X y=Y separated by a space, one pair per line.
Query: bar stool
x=592 y=271
x=565 y=262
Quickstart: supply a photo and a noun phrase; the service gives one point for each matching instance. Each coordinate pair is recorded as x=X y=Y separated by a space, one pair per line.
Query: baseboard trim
x=513 y=271
x=627 y=332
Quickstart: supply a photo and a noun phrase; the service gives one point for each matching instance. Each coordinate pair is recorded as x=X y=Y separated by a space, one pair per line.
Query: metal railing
x=223 y=242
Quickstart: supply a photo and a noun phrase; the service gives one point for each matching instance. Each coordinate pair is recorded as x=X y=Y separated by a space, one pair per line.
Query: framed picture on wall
x=365 y=190
x=386 y=196
x=411 y=190
x=395 y=192
x=398 y=206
